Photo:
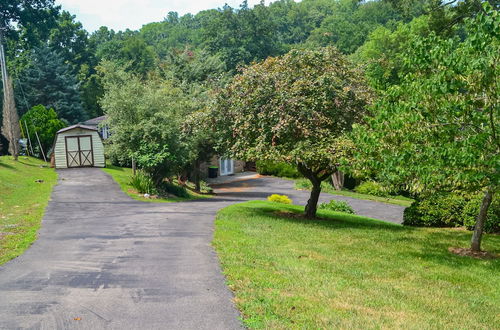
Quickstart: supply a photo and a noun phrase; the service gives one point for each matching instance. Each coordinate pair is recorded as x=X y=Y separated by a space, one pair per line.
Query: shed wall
x=60 y=147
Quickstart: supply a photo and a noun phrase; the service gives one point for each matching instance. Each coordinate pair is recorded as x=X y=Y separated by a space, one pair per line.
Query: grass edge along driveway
x=122 y=176
x=22 y=202
x=347 y=271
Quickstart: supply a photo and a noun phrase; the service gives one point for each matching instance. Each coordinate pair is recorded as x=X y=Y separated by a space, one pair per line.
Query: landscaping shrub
x=451 y=210
x=471 y=209
x=277 y=169
x=283 y=199
x=143 y=183
x=371 y=188
x=338 y=206
x=171 y=188
x=204 y=187
x=116 y=156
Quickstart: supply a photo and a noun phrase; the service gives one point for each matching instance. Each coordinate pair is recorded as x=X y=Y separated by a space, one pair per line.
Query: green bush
x=471 y=209
x=338 y=206
x=451 y=210
x=283 y=199
x=171 y=188
x=143 y=183
x=277 y=169
x=372 y=188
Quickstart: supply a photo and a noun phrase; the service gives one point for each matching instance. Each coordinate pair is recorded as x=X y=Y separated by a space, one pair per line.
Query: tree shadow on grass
x=435 y=249
x=330 y=220
x=419 y=244
x=8 y=166
x=27 y=163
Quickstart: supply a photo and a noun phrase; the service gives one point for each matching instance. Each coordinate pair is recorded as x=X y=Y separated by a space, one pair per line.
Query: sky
x=132 y=14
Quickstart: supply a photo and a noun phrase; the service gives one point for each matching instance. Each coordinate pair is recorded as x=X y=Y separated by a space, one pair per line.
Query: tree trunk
x=11 y=129
x=338 y=180
x=481 y=219
x=312 y=203
x=196 y=178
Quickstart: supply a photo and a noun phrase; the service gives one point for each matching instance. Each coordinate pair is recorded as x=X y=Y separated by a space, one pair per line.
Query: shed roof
x=94 y=121
x=90 y=128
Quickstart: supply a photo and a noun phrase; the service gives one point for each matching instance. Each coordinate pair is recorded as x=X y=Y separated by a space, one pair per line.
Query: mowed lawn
x=22 y=202
x=346 y=271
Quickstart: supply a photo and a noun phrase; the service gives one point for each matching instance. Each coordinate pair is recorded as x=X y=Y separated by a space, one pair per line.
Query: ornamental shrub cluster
x=337 y=206
x=277 y=169
x=372 y=188
x=283 y=199
x=451 y=210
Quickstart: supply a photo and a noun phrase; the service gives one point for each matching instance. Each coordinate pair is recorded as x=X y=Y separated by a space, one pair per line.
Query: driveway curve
x=103 y=260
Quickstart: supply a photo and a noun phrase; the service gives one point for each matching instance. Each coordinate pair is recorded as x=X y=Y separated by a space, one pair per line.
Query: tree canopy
x=438 y=128
x=295 y=108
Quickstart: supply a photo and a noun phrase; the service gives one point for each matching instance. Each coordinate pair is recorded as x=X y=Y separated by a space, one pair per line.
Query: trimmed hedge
x=277 y=169
x=451 y=210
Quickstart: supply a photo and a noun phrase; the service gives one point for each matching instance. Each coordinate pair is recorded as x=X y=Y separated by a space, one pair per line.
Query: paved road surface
x=103 y=260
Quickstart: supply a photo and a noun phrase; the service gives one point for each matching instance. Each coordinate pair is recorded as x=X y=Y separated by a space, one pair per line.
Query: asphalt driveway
x=103 y=260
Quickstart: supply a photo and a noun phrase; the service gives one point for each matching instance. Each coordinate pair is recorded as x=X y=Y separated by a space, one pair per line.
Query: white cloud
x=132 y=14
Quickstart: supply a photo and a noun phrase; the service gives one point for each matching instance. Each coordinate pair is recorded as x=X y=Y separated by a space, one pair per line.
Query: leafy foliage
x=146 y=117
x=170 y=188
x=45 y=123
x=143 y=183
x=371 y=188
x=337 y=206
x=442 y=119
x=437 y=129
x=451 y=210
x=277 y=169
x=295 y=109
x=282 y=199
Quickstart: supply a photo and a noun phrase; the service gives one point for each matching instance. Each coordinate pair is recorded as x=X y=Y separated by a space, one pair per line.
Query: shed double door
x=79 y=151
x=226 y=166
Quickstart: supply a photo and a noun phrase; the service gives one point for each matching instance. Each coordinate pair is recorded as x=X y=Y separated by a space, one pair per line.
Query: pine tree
x=50 y=82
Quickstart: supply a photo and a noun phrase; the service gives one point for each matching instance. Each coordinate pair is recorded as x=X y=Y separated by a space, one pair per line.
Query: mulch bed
x=473 y=254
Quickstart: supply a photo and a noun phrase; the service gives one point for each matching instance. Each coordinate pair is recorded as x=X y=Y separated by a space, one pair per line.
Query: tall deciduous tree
x=295 y=109
x=145 y=117
x=439 y=128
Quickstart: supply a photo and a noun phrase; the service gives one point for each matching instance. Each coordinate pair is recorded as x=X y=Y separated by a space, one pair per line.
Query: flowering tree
x=296 y=109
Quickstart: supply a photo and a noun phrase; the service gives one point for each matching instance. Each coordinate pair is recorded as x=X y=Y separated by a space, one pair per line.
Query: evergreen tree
x=49 y=81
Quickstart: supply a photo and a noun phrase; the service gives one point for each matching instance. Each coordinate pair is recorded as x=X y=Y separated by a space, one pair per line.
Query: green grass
x=347 y=271
x=22 y=203
x=304 y=184
x=122 y=176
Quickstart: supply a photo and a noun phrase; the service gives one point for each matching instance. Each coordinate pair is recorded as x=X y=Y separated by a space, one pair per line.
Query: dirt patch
x=294 y=215
x=473 y=254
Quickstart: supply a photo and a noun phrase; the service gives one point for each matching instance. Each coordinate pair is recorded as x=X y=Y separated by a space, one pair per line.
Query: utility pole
x=3 y=64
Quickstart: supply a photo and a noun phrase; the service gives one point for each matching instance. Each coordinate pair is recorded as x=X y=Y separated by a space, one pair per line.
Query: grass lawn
x=122 y=176
x=22 y=203
x=347 y=271
x=304 y=184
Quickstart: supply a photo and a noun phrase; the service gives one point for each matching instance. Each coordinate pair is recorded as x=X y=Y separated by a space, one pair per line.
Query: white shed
x=78 y=146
